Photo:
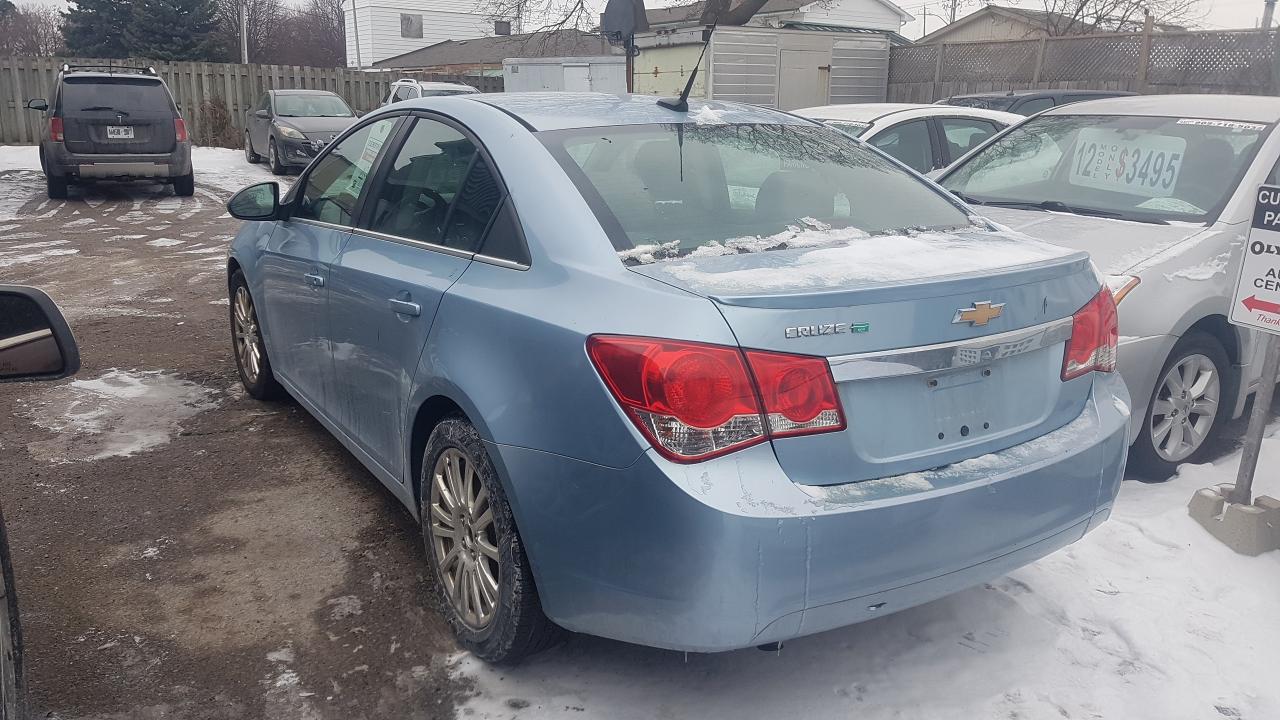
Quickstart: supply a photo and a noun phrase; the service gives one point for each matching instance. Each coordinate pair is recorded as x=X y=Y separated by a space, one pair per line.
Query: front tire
x=483 y=581
x=13 y=686
x=1186 y=410
x=246 y=342
x=273 y=159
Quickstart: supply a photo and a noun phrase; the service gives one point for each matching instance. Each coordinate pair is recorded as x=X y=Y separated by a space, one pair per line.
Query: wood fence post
x=937 y=71
x=1144 y=57
x=1275 y=61
x=1035 y=75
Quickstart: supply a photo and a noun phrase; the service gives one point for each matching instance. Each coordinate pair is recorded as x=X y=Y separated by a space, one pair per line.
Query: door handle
x=314 y=279
x=404 y=307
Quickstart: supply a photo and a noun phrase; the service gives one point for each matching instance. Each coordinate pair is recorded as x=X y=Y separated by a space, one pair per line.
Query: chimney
x=501 y=27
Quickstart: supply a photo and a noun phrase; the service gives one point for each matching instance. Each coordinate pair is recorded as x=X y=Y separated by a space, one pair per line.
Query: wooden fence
x=1219 y=61
x=213 y=97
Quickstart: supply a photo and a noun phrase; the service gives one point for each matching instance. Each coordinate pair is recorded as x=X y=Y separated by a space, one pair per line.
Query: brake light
x=180 y=129
x=696 y=401
x=55 y=129
x=798 y=393
x=1095 y=337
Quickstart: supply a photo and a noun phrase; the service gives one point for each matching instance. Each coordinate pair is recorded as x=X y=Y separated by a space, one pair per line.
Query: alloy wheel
x=248 y=339
x=464 y=538
x=1185 y=407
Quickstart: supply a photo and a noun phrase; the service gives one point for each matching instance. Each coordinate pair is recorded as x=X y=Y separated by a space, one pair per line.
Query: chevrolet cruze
x=700 y=380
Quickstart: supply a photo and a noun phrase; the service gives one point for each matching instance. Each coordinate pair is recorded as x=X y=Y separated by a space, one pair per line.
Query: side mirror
x=256 y=202
x=38 y=104
x=35 y=341
x=262 y=114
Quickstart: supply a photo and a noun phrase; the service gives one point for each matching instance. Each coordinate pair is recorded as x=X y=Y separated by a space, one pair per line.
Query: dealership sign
x=1256 y=302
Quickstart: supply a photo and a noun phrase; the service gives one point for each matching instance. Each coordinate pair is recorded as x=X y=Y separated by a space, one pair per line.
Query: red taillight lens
x=1095 y=337
x=180 y=129
x=695 y=401
x=55 y=129
x=798 y=392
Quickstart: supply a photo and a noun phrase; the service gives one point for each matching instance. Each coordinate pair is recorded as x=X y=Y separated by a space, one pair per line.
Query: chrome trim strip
x=319 y=223
x=946 y=356
x=500 y=262
x=414 y=243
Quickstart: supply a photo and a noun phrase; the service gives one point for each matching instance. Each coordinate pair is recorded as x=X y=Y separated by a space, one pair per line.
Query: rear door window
x=964 y=134
x=101 y=94
x=1031 y=107
x=334 y=185
x=908 y=142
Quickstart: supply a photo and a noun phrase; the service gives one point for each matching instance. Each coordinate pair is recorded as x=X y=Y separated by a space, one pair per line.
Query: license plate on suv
x=119 y=132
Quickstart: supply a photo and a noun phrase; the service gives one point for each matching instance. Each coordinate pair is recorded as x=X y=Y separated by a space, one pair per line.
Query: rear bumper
x=730 y=553
x=61 y=162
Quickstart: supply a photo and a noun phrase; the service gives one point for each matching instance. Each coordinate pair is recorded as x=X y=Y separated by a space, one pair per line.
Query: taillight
x=696 y=401
x=55 y=129
x=798 y=392
x=1095 y=337
x=180 y=129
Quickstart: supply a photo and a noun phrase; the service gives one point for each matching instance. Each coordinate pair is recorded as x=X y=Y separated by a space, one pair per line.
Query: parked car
x=1029 y=102
x=35 y=344
x=112 y=123
x=924 y=137
x=1160 y=191
x=291 y=126
x=414 y=89
x=683 y=379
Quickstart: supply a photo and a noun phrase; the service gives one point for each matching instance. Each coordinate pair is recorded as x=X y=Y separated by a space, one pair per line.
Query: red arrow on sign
x=1253 y=304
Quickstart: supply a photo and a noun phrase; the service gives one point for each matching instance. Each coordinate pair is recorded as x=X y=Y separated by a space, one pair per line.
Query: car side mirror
x=256 y=202
x=35 y=341
x=262 y=114
x=38 y=104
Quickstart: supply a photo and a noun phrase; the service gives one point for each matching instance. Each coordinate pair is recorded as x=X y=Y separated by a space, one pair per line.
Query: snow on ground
x=1147 y=617
x=226 y=171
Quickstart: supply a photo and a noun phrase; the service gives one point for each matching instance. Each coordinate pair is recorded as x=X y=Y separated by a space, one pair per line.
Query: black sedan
x=289 y=127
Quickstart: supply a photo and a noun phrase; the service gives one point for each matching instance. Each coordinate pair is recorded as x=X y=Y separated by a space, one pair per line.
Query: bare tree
x=312 y=35
x=1082 y=17
x=31 y=30
x=263 y=21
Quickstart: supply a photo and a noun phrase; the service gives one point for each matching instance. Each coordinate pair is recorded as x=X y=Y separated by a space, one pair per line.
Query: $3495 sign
x=1139 y=164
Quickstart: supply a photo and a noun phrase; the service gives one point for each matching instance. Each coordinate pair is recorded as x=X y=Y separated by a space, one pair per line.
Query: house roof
x=493 y=50
x=1039 y=19
x=692 y=12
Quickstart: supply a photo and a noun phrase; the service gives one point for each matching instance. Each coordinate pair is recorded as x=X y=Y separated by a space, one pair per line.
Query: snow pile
x=120 y=413
x=855 y=258
x=706 y=115
x=1207 y=270
x=1146 y=618
x=32 y=252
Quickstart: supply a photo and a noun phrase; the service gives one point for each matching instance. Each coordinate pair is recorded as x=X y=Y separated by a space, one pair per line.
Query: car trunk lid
x=944 y=346
x=117 y=115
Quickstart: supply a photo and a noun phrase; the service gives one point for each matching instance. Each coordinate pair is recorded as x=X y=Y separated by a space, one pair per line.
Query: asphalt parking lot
x=183 y=551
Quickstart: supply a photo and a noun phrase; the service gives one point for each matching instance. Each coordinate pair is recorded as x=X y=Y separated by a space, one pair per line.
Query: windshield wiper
x=1059 y=206
x=101 y=107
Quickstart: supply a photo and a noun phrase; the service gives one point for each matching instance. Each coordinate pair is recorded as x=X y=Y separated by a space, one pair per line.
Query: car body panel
x=720 y=554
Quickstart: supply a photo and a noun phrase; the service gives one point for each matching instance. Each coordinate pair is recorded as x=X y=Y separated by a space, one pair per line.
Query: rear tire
x=459 y=490
x=273 y=159
x=57 y=187
x=250 y=156
x=1169 y=415
x=185 y=185
x=248 y=346
x=13 y=686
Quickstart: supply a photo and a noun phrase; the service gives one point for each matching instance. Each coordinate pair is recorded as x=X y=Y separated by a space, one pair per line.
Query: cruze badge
x=826 y=329
x=980 y=314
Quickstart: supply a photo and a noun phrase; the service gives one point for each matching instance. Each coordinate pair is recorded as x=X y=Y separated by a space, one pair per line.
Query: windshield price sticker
x=1228 y=124
x=1145 y=164
x=1256 y=302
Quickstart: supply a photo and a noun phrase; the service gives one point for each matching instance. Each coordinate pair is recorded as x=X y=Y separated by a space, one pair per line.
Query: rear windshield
x=989 y=103
x=90 y=94
x=853 y=128
x=714 y=189
x=1153 y=169
x=311 y=106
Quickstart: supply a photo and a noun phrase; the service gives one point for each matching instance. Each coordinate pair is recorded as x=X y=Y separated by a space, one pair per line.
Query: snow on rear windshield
x=664 y=191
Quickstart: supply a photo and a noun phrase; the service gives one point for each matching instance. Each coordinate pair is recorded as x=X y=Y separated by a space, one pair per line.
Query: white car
x=924 y=137
x=413 y=89
x=1160 y=190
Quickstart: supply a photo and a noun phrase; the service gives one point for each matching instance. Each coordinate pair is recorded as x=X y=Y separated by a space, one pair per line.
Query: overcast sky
x=1220 y=13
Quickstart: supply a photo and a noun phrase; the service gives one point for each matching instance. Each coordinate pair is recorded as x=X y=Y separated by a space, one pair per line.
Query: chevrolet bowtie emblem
x=980 y=314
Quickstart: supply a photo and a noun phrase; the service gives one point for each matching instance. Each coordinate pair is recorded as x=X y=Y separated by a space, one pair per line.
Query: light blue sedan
x=699 y=380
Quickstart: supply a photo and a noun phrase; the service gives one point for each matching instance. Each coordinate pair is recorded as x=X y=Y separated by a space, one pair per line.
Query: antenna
x=681 y=104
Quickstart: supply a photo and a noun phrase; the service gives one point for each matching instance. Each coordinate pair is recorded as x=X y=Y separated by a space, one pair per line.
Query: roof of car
x=433 y=84
x=1246 y=108
x=564 y=110
x=1038 y=93
x=100 y=75
x=302 y=92
x=871 y=112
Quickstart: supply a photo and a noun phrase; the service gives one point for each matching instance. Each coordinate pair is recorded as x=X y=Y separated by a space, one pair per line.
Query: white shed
x=604 y=73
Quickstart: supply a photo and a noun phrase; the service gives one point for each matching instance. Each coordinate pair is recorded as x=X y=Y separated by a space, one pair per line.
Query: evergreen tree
x=96 y=28
x=174 y=30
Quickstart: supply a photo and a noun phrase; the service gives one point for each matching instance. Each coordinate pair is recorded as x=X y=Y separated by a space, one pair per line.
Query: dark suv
x=113 y=123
